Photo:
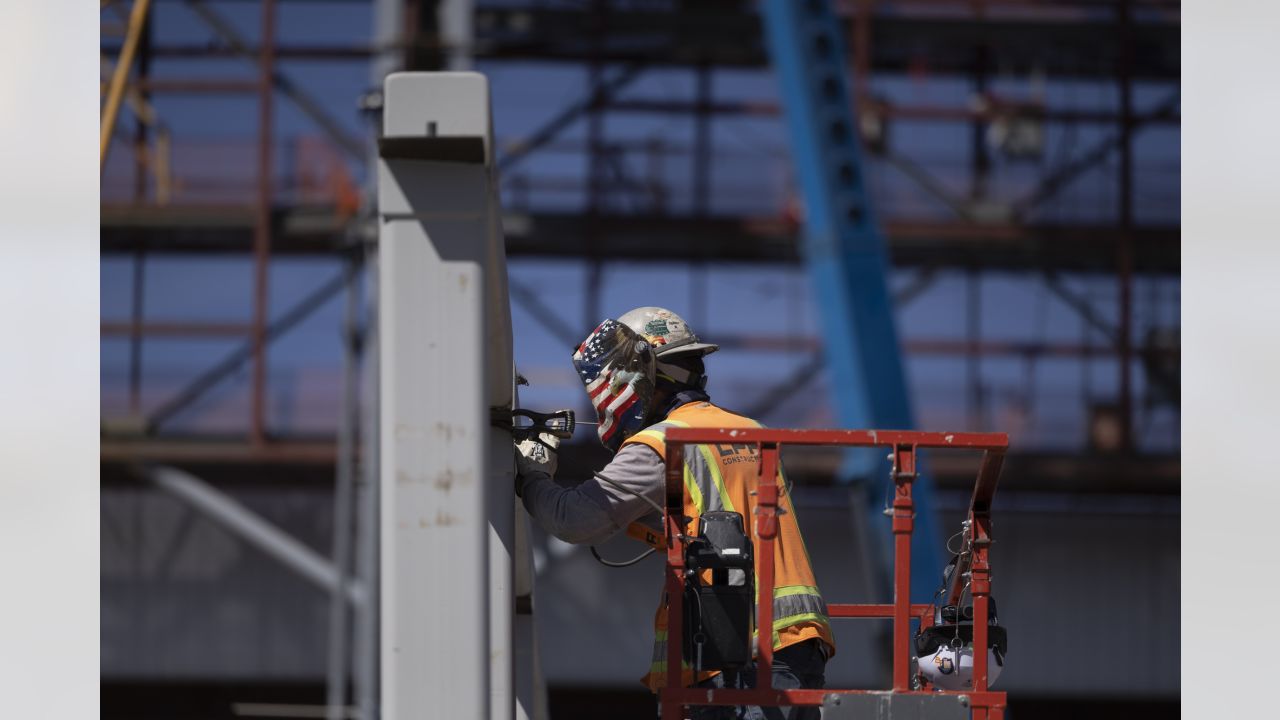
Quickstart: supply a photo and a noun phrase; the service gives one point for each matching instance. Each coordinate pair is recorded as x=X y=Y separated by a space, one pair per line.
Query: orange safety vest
x=723 y=477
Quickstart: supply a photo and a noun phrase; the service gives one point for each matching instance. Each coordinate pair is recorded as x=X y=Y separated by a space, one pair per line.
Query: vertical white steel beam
x=253 y=529
x=530 y=691
x=500 y=380
x=343 y=500
x=457 y=32
x=435 y=205
x=367 y=514
x=387 y=30
x=389 y=33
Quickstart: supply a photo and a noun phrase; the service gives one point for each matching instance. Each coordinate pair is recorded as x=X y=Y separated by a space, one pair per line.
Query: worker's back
x=724 y=477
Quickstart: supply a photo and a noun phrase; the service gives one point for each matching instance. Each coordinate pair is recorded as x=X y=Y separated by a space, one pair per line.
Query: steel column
x=262 y=224
x=137 y=310
x=973 y=328
x=1125 y=259
x=457 y=32
x=349 y=410
x=367 y=512
x=439 y=463
x=904 y=474
x=701 y=174
x=764 y=530
x=981 y=159
x=595 y=167
x=140 y=160
x=980 y=589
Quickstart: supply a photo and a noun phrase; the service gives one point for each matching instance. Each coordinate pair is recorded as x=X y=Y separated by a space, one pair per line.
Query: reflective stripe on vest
x=795 y=604
x=705 y=484
x=798 y=609
x=702 y=477
x=792 y=605
x=659 y=662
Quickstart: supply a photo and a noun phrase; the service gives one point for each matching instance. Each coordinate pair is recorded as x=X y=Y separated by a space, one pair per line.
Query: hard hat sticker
x=657 y=327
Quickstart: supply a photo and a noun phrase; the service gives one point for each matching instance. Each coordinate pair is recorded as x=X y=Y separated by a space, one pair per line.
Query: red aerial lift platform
x=973 y=566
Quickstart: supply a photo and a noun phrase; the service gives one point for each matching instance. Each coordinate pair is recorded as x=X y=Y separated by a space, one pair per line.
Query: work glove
x=535 y=456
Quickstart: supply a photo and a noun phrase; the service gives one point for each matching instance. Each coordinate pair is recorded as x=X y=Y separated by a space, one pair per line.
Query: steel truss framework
x=1128 y=42
x=1098 y=40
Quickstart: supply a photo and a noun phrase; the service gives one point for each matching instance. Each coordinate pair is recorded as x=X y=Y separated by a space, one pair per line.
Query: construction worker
x=644 y=373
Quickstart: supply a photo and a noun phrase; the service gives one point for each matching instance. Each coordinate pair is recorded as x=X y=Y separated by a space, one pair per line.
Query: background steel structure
x=296 y=198
x=146 y=225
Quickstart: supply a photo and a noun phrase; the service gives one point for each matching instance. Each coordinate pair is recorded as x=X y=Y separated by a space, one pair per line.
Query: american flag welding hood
x=616 y=365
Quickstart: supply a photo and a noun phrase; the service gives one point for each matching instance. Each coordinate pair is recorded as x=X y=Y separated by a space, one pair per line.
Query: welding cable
x=641 y=556
x=624 y=563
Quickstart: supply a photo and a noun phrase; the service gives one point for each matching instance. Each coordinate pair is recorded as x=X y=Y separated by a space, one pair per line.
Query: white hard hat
x=666 y=331
x=945 y=654
x=951 y=668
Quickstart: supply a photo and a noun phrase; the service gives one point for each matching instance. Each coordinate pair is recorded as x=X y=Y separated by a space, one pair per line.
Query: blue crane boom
x=845 y=254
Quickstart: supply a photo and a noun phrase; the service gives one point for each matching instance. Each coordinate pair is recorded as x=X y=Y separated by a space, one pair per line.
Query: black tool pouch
x=719 y=594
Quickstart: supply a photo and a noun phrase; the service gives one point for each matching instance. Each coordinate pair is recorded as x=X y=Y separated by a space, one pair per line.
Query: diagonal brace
x=240 y=355
x=529 y=300
x=1055 y=183
x=309 y=106
x=596 y=98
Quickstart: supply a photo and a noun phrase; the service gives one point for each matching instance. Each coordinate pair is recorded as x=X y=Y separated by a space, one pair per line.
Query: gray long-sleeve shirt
x=594 y=511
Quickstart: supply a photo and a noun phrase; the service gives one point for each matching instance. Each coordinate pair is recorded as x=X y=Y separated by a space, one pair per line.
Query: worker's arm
x=594 y=511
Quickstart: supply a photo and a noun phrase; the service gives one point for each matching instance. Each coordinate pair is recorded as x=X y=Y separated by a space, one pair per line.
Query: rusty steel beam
x=175 y=329
x=837 y=610
x=906 y=113
x=207 y=51
x=1010 y=347
x=262 y=223
x=931 y=346
x=997 y=441
x=218 y=451
x=196 y=86
x=560 y=34
x=650 y=237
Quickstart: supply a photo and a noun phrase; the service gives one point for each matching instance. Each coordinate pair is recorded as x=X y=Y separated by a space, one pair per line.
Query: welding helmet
x=676 y=347
x=616 y=365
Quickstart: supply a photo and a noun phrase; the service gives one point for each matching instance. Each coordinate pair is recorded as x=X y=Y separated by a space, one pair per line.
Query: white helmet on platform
x=945 y=650
x=951 y=668
x=667 y=332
